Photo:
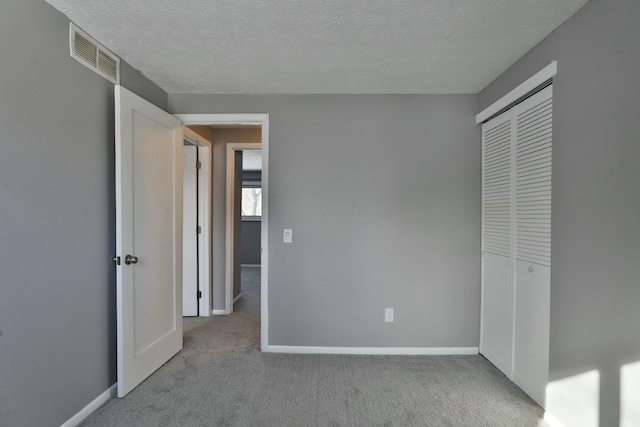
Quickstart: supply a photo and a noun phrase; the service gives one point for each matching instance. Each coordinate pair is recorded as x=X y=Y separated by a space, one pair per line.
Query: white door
x=533 y=244
x=148 y=237
x=531 y=329
x=496 y=333
x=497 y=314
x=190 y=236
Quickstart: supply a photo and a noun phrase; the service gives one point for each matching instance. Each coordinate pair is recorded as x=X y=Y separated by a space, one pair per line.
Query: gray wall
x=595 y=286
x=57 y=283
x=251 y=239
x=383 y=196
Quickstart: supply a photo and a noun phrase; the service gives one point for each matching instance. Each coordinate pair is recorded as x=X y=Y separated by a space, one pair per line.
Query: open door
x=190 y=289
x=148 y=238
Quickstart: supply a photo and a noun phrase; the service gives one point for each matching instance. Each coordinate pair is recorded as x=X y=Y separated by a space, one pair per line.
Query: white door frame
x=261 y=120
x=204 y=218
x=232 y=147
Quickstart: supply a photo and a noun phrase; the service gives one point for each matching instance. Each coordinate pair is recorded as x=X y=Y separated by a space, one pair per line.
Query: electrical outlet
x=388 y=314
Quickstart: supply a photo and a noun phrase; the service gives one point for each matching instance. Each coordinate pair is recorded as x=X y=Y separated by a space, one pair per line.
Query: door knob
x=130 y=259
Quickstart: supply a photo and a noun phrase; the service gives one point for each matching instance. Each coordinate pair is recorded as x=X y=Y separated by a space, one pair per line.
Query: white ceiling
x=322 y=46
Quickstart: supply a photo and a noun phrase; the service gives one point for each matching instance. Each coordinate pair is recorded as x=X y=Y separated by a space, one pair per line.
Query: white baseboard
x=91 y=407
x=218 y=312
x=409 y=351
x=237 y=298
x=251 y=265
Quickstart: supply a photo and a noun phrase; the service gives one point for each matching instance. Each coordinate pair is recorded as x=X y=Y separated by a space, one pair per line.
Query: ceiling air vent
x=91 y=54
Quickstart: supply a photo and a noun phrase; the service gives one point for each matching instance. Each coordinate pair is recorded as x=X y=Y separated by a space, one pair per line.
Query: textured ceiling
x=322 y=46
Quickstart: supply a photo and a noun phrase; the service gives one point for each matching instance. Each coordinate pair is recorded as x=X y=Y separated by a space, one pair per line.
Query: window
x=252 y=202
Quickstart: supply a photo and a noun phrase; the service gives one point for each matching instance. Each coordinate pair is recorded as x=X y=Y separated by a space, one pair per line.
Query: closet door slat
x=533 y=179
x=496 y=188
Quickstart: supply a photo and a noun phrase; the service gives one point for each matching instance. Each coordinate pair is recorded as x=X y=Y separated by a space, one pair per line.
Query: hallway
x=239 y=331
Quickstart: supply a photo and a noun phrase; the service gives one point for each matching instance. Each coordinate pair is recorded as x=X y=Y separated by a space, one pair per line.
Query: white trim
x=235 y=300
x=264 y=261
x=218 y=312
x=539 y=78
x=223 y=119
x=91 y=407
x=261 y=120
x=232 y=147
x=409 y=351
x=205 y=196
x=250 y=265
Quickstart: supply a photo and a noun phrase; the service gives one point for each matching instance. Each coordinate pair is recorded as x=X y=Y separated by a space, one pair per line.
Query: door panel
x=149 y=227
x=496 y=335
x=531 y=324
x=533 y=178
x=532 y=286
x=497 y=267
x=190 y=236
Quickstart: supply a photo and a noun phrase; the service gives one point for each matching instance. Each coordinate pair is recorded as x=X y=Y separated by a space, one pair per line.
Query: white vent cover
x=93 y=55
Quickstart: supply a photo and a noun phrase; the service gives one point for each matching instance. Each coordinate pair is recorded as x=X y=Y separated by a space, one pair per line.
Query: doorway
x=235 y=204
x=221 y=291
x=251 y=209
x=149 y=147
x=248 y=217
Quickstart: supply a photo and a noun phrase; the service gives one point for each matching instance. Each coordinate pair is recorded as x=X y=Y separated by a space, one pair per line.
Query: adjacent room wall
x=57 y=220
x=251 y=236
x=383 y=196
x=221 y=136
x=595 y=286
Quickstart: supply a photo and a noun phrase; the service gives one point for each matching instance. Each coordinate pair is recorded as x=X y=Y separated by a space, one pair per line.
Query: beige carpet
x=222 y=379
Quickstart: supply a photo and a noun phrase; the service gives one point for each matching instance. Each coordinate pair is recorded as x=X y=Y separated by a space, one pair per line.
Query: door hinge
x=198 y=165
x=198 y=229
x=116 y=260
x=199 y=294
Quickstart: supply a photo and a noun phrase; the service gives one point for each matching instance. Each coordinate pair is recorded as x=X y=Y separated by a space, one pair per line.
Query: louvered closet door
x=497 y=296
x=533 y=119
